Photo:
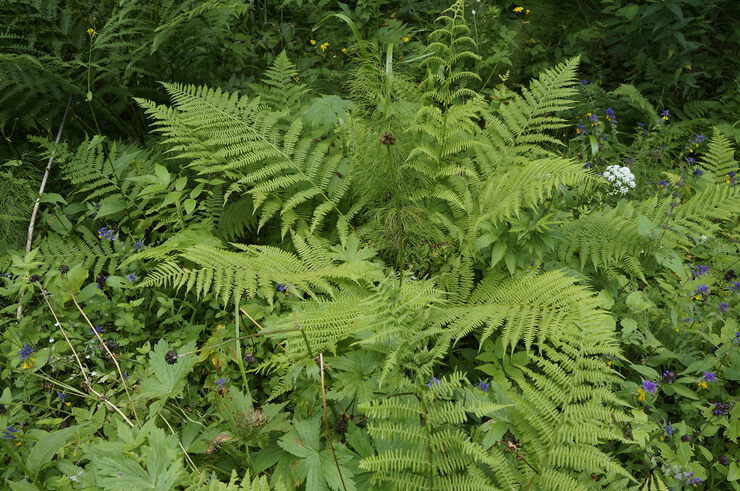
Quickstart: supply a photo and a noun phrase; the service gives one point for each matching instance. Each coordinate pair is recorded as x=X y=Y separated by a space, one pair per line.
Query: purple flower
x=692 y=161
x=649 y=386
x=662 y=183
x=669 y=429
x=100 y=280
x=665 y=115
x=138 y=245
x=25 y=352
x=220 y=382
x=730 y=274
x=580 y=129
x=61 y=396
x=610 y=116
x=107 y=234
x=669 y=377
x=702 y=289
x=698 y=172
x=588 y=165
x=721 y=408
x=593 y=118
x=701 y=270
x=9 y=433
x=433 y=381
x=483 y=386
x=132 y=277
x=722 y=308
x=281 y=287
x=735 y=286
x=585 y=82
x=699 y=138
x=98 y=329
x=710 y=377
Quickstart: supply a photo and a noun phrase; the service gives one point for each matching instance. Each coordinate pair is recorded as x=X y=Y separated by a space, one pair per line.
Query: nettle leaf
x=167 y=380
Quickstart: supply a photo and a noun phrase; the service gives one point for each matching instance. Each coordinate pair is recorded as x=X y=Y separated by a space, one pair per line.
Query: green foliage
x=369 y=269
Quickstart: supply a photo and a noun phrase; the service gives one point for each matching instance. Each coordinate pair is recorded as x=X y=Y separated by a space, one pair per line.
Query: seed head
x=388 y=139
x=171 y=357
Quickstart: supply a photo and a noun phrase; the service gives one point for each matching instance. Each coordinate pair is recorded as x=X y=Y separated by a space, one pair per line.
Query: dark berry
x=686 y=438
x=171 y=357
x=250 y=359
x=64 y=269
x=34 y=278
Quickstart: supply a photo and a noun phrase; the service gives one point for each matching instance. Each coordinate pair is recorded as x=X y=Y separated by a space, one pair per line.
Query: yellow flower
x=91 y=31
x=526 y=12
x=518 y=9
x=641 y=395
x=313 y=42
x=18 y=444
x=702 y=385
x=29 y=362
x=324 y=46
x=344 y=50
x=405 y=39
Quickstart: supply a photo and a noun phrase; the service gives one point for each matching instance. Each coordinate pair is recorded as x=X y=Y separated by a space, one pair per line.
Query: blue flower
x=701 y=270
x=138 y=245
x=692 y=161
x=665 y=115
x=9 y=433
x=662 y=183
x=722 y=308
x=281 y=288
x=100 y=280
x=702 y=289
x=107 y=233
x=649 y=386
x=61 y=396
x=483 y=386
x=98 y=329
x=669 y=429
x=433 y=381
x=220 y=382
x=669 y=377
x=585 y=82
x=580 y=129
x=610 y=116
x=699 y=138
x=735 y=286
x=132 y=277
x=25 y=352
x=698 y=172
x=710 y=377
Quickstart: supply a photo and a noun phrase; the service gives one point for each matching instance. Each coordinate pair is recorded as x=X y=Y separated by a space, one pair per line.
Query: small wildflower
x=722 y=307
x=665 y=115
x=388 y=139
x=585 y=82
x=313 y=42
x=220 y=382
x=61 y=396
x=702 y=385
x=518 y=9
x=700 y=270
x=344 y=50
x=686 y=438
x=324 y=46
x=662 y=183
x=641 y=396
x=91 y=32
x=25 y=352
x=51 y=340
x=588 y=165
x=97 y=329
x=702 y=289
x=282 y=288
x=649 y=386
x=730 y=179
x=433 y=381
x=735 y=286
x=698 y=172
x=107 y=234
x=581 y=129
x=695 y=481
x=100 y=280
x=593 y=118
x=722 y=459
x=171 y=357
x=138 y=245
x=527 y=12
x=669 y=377
x=710 y=377
x=730 y=274
x=9 y=433
x=721 y=408
x=483 y=386
x=406 y=38
x=610 y=116
x=669 y=429
x=64 y=269
x=132 y=277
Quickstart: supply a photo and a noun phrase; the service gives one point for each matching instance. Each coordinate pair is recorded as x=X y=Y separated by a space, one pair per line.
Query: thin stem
x=257 y=334
x=110 y=354
x=326 y=421
x=262 y=329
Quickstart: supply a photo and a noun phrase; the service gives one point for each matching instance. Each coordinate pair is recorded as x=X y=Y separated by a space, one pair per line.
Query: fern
x=720 y=157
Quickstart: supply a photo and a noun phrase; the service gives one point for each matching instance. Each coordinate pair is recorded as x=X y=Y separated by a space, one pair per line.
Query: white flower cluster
x=621 y=178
